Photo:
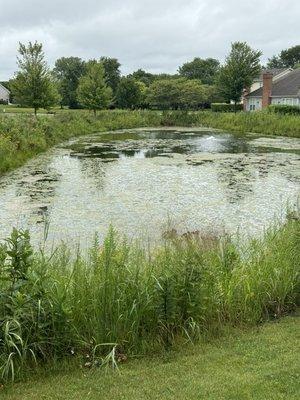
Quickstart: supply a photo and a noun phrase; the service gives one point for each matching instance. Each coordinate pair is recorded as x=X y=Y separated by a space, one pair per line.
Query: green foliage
x=259 y=363
x=93 y=93
x=164 y=94
x=275 y=62
x=22 y=136
x=225 y=107
x=140 y=75
x=179 y=94
x=288 y=58
x=284 y=109
x=193 y=94
x=111 y=72
x=130 y=93
x=68 y=71
x=204 y=70
x=121 y=299
x=241 y=67
x=33 y=85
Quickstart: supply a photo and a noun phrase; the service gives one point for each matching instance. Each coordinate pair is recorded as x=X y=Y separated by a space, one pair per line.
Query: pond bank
x=148 y=181
x=261 y=363
x=124 y=300
x=23 y=136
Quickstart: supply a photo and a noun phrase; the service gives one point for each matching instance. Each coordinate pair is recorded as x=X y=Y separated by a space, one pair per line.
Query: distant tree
x=163 y=75
x=192 y=94
x=68 y=71
x=241 y=67
x=165 y=94
x=288 y=58
x=203 y=69
x=275 y=62
x=140 y=75
x=129 y=93
x=180 y=94
x=93 y=92
x=33 y=85
x=213 y=94
x=111 y=72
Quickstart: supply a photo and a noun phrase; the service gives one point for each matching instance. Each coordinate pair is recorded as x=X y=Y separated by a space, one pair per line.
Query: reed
x=24 y=136
x=124 y=300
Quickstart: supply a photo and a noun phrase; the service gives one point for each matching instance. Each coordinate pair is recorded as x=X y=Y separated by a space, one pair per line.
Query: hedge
x=284 y=109
x=224 y=107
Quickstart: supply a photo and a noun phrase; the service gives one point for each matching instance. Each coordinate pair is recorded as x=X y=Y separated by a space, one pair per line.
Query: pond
x=149 y=181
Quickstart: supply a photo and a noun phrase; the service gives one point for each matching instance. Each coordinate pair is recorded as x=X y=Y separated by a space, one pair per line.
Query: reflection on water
x=139 y=180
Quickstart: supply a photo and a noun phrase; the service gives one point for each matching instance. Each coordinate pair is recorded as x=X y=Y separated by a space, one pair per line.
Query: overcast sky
x=156 y=35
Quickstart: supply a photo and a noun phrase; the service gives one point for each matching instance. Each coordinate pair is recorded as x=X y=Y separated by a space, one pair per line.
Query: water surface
x=148 y=181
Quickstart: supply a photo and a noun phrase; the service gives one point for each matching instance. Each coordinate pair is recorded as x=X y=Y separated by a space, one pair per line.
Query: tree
x=140 y=75
x=111 y=72
x=93 y=92
x=241 y=67
x=129 y=93
x=288 y=58
x=33 y=85
x=203 y=69
x=68 y=71
x=192 y=94
x=180 y=93
x=164 y=94
x=275 y=62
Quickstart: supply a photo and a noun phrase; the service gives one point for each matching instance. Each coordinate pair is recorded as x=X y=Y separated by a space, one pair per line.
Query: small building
x=4 y=94
x=284 y=89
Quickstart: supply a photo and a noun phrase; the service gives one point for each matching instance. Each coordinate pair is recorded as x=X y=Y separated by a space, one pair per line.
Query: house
x=284 y=88
x=276 y=72
x=4 y=94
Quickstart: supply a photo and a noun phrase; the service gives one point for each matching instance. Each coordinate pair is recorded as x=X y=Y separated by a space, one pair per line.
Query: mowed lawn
x=260 y=364
x=11 y=109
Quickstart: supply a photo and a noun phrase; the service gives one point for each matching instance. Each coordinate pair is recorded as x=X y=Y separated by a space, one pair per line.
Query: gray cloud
x=157 y=35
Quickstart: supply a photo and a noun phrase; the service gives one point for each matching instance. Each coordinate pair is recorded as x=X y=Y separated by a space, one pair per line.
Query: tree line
x=98 y=84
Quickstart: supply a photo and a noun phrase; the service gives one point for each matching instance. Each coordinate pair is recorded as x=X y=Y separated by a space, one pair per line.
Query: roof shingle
x=289 y=85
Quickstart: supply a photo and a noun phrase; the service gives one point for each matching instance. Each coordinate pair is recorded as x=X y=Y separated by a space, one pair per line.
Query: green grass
x=264 y=123
x=11 y=109
x=259 y=364
x=124 y=299
x=23 y=136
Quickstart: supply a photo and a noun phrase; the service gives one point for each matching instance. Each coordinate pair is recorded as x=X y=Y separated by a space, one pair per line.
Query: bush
x=284 y=109
x=224 y=107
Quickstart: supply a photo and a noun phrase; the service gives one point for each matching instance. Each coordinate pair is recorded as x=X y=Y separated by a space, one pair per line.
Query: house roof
x=273 y=71
x=3 y=87
x=288 y=85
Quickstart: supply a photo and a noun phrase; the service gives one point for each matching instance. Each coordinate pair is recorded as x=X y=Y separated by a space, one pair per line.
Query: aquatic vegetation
x=132 y=178
x=23 y=136
x=123 y=299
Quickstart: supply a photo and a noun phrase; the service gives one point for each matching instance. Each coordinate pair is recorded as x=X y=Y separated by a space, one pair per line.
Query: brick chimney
x=267 y=89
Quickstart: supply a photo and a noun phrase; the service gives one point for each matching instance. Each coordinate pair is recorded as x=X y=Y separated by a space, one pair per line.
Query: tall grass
x=24 y=136
x=123 y=300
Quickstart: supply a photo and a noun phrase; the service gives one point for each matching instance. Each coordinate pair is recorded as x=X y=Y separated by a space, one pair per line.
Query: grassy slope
x=259 y=364
x=22 y=136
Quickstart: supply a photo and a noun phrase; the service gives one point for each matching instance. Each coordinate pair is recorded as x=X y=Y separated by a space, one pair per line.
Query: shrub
x=224 y=107
x=284 y=109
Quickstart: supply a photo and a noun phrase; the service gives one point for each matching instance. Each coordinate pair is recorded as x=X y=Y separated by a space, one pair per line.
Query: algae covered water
x=146 y=182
